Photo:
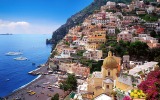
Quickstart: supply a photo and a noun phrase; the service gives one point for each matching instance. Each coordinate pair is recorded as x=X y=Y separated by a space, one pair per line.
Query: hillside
x=77 y=19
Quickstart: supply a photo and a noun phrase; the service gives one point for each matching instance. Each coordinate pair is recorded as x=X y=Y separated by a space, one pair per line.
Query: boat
x=20 y=58
x=13 y=53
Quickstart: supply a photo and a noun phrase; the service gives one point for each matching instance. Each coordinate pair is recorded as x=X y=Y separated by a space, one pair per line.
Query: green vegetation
x=112 y=38
x=136 y=50
x=86 y=61
x=55 y=97
x=80 y=53
x=67 y=43
x=70 y=83
x=150 y=17
x=157 y=59
x=154 y=55
x=154 y=34
x=123 y=1
x=117 y=31
x=94 y=65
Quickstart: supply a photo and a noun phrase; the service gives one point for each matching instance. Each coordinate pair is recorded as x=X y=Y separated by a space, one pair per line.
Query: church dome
x=109 y=62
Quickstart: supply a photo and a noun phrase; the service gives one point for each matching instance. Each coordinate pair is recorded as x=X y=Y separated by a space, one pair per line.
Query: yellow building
x=98 y=37
x=104 y=81
x=91 y=46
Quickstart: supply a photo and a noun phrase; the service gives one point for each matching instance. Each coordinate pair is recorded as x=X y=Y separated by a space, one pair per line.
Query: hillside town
x=119 y=76
x=113 y=55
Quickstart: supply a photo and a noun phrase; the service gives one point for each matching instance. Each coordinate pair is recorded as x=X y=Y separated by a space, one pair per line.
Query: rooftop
x=103 y=97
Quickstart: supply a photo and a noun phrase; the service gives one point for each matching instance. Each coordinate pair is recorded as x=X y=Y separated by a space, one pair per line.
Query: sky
x=37 y=16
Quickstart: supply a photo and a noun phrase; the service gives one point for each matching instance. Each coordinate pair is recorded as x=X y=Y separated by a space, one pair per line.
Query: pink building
x=125 y=36
x=77 y=69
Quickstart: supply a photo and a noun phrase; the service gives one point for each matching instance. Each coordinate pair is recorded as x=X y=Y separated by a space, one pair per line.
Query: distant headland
x=7 y=34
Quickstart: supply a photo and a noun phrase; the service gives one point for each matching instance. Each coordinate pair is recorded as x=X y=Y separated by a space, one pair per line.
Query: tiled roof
x=108 y=80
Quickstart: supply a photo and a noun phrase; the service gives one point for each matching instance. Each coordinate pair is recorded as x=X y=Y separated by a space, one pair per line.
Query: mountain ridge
x=75 y=20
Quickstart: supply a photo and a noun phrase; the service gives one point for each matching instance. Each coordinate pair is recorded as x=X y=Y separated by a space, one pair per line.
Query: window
x=107 y=86
x=109 y=73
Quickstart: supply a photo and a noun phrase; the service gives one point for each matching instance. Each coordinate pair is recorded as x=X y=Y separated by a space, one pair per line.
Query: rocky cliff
x=75 y=20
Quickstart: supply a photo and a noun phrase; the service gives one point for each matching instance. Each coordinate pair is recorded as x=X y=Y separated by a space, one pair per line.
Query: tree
x=70 y=83
x=157 y=59
x=138 y=50
x=55 y=97
x=153 y=34
x=119 y=50
x=147 y=2
x=80 y=52
x=117 y=31
x=154 y=4
x=153 y=54
x=64 y=86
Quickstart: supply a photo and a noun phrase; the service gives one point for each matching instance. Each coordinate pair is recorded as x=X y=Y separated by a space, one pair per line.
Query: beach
x=43 y=88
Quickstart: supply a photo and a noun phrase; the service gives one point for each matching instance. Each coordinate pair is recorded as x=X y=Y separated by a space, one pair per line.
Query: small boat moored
x=13 y=53
x=20 y=58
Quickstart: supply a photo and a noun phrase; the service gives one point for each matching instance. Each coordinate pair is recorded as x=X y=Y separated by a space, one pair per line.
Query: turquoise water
x=33 y=47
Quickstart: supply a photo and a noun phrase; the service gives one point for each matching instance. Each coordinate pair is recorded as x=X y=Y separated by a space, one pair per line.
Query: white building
x=145 y=68
x=99 y=21
x=111 y=4
x=111 y=30
x=145 y=38
x=66 y=53
x=82 y=89
x=93 y=54
x=150 y=9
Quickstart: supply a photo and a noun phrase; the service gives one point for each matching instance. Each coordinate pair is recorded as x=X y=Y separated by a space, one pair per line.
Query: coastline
x=24 y=86
x=40 y=87
x=27 y=84
x=41 y=76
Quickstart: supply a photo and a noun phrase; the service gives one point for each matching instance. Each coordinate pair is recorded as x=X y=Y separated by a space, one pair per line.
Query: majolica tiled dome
x=109 y=62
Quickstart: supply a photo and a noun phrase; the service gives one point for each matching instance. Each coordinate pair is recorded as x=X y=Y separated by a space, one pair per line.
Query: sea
x=13 y=73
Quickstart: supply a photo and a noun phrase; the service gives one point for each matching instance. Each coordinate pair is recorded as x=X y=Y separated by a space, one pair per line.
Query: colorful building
x=104 y=81
x=125 y=36
x=97 y=37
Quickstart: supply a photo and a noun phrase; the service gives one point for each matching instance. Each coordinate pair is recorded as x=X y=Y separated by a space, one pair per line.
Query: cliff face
x=75 y=20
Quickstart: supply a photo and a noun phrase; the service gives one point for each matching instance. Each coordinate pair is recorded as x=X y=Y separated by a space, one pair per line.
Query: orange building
x=140 y=30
